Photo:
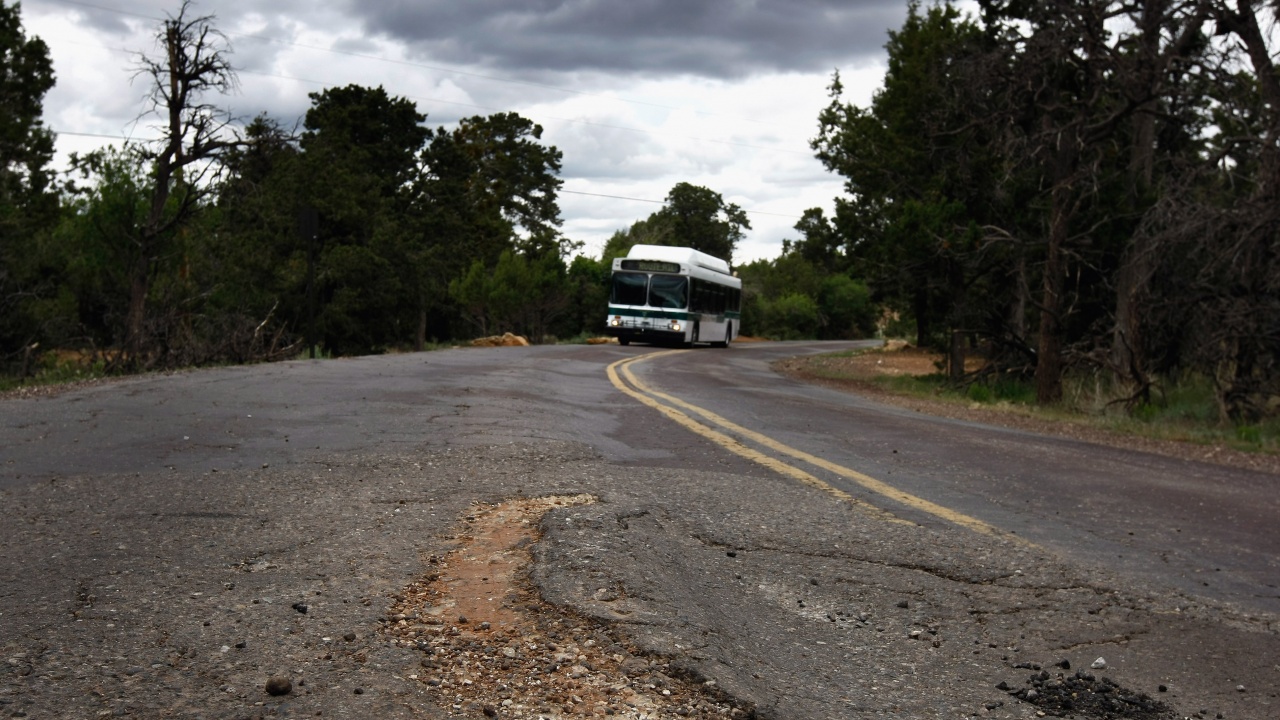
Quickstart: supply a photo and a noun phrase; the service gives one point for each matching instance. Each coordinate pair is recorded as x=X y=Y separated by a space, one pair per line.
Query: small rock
x=300 y=607
x=1065 y=664
x=279 y=686
x=1099 y=664
x=349 y=637
x=904 y=604
x=1239 y=688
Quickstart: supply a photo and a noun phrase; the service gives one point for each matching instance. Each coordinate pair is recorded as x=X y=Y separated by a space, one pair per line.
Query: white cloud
x=638 y=96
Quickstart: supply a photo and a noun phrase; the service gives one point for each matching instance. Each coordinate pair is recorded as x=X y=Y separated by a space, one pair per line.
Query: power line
x=95 y=135
x=574 y=121
x=561 y=190
x=664 y=202
x=612 y=197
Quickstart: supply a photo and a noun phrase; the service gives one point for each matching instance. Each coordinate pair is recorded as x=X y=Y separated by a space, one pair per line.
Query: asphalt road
x=860 y=560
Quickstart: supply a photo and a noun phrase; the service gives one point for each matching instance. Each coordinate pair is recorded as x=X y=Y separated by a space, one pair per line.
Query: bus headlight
x=675 y=325
x=616 y=321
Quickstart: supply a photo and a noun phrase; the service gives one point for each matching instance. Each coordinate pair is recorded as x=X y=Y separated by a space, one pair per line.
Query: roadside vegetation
x=1083 y=195
x=1183 y=411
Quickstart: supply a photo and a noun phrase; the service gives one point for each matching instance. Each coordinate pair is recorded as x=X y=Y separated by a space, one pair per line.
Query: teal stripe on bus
x=668 y=314
x=638 y=312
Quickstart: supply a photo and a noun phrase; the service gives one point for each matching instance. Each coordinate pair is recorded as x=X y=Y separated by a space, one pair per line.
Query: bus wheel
x=728 y=336
x=624 y=341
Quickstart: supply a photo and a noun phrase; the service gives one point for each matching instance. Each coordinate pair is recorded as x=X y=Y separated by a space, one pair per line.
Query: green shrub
x=978 y=392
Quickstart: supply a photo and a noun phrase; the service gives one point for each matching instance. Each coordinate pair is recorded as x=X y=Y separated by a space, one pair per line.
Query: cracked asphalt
x=161 y=533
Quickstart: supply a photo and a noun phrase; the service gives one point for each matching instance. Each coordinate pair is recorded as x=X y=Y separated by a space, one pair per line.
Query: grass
x=54 y=370
x=1184 y=409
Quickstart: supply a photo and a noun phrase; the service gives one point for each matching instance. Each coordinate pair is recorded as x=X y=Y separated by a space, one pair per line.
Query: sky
x=638 y=95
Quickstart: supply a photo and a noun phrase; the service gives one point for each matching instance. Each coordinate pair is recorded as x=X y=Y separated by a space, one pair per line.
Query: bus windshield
x=668 y=291
x=629 y=288
x=660 y=291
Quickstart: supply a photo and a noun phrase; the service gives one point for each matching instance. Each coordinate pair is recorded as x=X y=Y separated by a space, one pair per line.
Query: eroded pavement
x=537 y=580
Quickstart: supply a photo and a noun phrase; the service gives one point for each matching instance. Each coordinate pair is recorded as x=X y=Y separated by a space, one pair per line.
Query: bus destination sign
x=651 y=266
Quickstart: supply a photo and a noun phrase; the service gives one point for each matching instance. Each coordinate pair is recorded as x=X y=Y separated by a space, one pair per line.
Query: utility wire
x=664 y=202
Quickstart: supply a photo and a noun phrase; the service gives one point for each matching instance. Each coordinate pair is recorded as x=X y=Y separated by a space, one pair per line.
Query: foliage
x=28 y=205
x=1076 y=187
x=692 y=216
x=791 y=298
x=520 y=294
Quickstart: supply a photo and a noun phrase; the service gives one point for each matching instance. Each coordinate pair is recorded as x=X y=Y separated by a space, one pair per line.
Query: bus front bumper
x=644 y=334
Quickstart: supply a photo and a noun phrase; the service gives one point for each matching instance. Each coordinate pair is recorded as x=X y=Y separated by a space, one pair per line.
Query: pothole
x=493 y=648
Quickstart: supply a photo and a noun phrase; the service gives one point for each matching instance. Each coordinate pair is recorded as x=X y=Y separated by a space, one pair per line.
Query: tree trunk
x=955 y=354
x=135 y=321
x=1127 y=358
x=1049 y=348
x=420 y=339
x=920 y=304
x=1018 y=317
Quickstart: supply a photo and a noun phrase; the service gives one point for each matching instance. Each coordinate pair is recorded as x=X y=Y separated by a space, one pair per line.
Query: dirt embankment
x=858 y=374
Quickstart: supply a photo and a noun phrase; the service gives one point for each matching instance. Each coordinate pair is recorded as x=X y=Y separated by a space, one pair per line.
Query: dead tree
x=194 y=63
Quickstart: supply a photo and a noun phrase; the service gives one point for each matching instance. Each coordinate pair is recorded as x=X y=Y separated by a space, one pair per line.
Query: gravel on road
x=332 y=588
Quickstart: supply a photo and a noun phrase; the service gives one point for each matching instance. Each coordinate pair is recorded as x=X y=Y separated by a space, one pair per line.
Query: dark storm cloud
x=713 y=38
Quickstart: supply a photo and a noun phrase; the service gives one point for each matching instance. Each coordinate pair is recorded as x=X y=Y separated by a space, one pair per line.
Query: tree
x=194 y=136
x=1085 y=93
x=918 y=172
x=360 y=157
x=27 y=204
x=96 y=244
x=515 y=177
x=484 y=188
x=520 y=294
x=588 y=287
x=1203 y=273
x=699 y=218
x=692 y=216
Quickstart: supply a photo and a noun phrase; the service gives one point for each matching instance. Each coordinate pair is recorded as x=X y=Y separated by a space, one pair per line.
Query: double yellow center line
x=672 y=407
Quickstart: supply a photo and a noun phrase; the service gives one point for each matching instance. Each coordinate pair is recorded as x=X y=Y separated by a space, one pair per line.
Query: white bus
x=673 y=296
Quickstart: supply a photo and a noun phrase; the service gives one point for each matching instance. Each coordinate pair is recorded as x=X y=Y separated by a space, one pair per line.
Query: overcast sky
x=638 y=94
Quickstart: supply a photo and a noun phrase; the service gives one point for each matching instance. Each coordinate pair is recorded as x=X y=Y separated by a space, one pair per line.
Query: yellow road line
x=866 y=481
x=732 y=445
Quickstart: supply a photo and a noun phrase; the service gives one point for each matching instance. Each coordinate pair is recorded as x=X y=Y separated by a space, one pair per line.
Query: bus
x=673 y=296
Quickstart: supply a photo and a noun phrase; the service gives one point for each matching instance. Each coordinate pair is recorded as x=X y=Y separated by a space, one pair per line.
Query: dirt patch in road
x=492 y=647
x=858 y=374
